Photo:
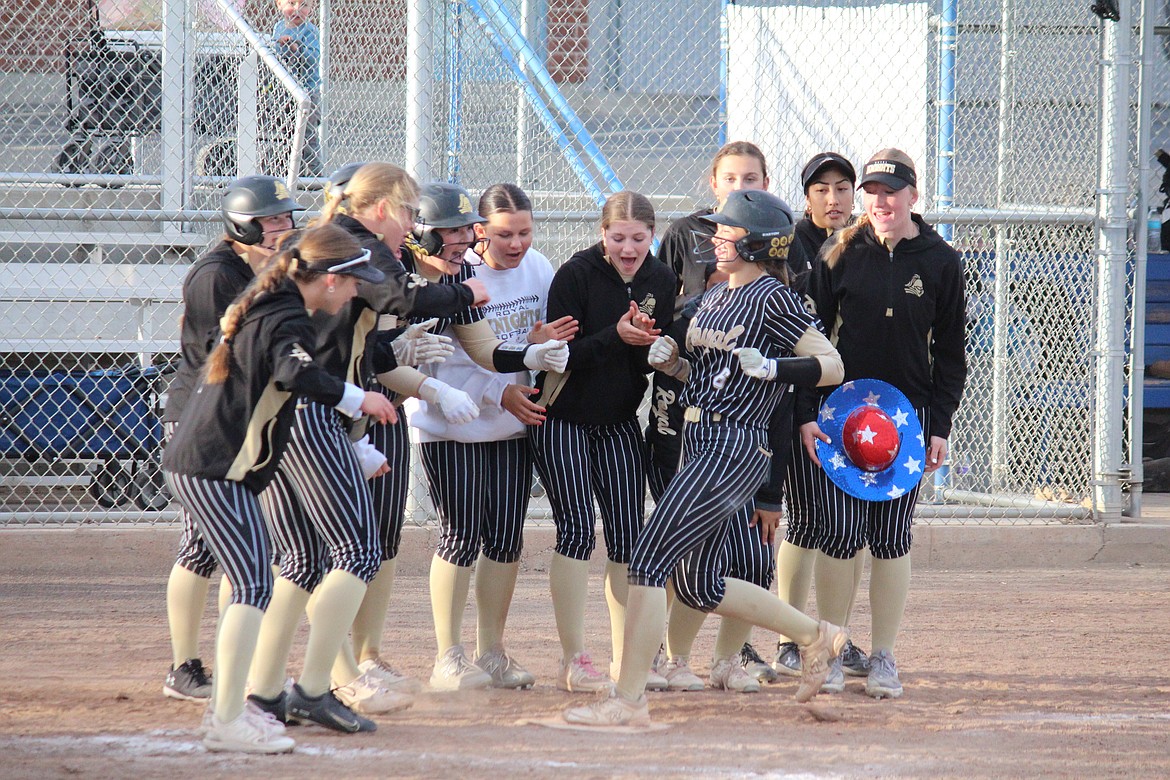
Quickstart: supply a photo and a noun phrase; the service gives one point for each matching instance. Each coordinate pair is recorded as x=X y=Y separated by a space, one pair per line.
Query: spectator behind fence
x=297 y=43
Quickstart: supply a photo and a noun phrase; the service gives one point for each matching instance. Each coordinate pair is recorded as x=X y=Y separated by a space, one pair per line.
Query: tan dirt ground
x=1008 y=673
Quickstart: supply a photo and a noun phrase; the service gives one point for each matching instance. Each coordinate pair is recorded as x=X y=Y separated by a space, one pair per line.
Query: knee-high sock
x=682 y=628
x=186 y=601
x=645 y=620
x=889 y=583
x=752 y=604
x=345 y=666
x=336 y=601
x=858 y=570
x=224 y=597
x=617 y=592
x=794 y=573
x=495 y=582
x=281 y=619
x=371 y=617
x=568 y=581
x=235 y=644
x=834 y=578
x=449 y=586
x=733 y=632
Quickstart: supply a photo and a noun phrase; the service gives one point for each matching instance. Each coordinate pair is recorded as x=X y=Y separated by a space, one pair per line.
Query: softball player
x=750 y=339
x=590 y=443
x=828 y=180
x=890 y=291
x=256 y=210
x=480 y=472
x=231 y=440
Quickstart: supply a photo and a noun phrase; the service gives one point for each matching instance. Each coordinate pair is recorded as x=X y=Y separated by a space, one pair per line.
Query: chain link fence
x=123 y=120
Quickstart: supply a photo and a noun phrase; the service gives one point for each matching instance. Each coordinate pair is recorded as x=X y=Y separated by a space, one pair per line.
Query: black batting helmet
x=254 y=196
x=767 y=220
x=340 y=177
x=442 y=205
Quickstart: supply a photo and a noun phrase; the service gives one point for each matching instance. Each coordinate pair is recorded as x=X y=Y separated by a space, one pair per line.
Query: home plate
x=559 y=723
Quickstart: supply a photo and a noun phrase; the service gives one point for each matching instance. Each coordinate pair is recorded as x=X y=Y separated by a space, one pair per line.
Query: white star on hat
x=827 y=412
x=900 y=418
x=872 y=398
x=895 y=492
x=837 y=461
x=866 y=435
x=867 y=479
x=913 y=466
x=847 y=386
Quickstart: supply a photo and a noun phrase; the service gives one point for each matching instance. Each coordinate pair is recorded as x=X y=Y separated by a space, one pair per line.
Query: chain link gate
x=123 y=120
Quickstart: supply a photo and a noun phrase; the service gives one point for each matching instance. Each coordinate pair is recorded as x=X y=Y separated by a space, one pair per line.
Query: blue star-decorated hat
x=877 y=451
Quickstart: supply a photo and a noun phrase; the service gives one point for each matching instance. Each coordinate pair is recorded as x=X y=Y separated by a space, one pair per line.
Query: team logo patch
x=281 y=190
x=914 y=286
x=414 y=280
x=778 y=247
x=299 y=353
x=464 y=204
x=647 y=305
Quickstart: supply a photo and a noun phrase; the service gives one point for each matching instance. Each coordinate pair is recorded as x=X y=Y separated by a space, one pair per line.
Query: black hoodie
x=898 y=316
x=606 y=377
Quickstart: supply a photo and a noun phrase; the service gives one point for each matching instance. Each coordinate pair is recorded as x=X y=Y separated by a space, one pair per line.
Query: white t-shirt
x=519 y=298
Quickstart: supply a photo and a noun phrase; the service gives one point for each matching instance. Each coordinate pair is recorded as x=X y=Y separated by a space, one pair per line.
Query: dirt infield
x=1008 y=673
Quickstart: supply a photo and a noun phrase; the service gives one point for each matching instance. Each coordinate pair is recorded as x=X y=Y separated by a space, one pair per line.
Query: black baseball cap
x=891 y=167
x=358 y=265
x=817 y=165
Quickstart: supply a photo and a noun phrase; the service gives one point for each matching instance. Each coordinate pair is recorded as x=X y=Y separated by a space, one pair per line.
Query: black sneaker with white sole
x=189 y=682
x=854 y=661
x=755 y=666
x=277 y=707
x=325 y=710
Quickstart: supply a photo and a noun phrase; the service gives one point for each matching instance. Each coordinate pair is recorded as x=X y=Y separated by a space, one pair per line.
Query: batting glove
x=368 y=456
x=550 y=356
x=456 y=405
x=417 y=346
x=754 y=364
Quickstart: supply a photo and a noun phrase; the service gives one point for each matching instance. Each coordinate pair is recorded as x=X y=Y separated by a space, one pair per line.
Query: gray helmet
x=339 y=178
x=767 y=220
x=442 y=205
x=254 y=196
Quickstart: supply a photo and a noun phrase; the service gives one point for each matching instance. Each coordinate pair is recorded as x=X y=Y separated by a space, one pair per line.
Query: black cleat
x=854 y=661
x=325 y=710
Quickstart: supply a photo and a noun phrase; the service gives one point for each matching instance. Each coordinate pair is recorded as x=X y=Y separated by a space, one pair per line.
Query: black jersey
x=344 y=339
x=238 y=429
x=764 y=314
x=606 y=378
x=680 y=253
x=899 y=316
x=214 y=281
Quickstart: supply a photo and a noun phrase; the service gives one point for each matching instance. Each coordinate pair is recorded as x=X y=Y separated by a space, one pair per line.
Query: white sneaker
x=816 y=657
x=728 y=675
x=835 y=682
x=454 y=671
x=654 y=680
x=248 y=733
x=679 y=676
x=391 y=677
x=368 y=695
x=613 y=710
x=579 y=674
x=505 y=672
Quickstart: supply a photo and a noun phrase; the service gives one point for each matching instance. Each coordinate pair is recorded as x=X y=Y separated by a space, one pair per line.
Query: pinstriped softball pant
x=231 y=523
x=687 y=534
x=577 y=462
x=389 y=490
x=802 y=486
x=852 y=523
x=481 y=492
x=749 y=557
x=318 y=507
x=193 y=555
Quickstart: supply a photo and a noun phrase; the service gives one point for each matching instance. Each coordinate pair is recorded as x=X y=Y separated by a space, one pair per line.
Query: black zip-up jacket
x=214 y=281
x=677 y=251
x=344 y=338
x=606 y=377
x=238 y=429
x=898 y=316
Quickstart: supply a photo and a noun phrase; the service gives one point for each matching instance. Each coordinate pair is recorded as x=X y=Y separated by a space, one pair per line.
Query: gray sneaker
x=854 y=660
x=454 y=671
x=787 y=660
x=835 y=682
x=755 y=666
x=505 y=672
x=883 y=676
x=189 y=682
x=325 y=710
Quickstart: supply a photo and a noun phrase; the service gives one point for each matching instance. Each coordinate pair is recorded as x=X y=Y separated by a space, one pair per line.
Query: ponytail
x=833 y=253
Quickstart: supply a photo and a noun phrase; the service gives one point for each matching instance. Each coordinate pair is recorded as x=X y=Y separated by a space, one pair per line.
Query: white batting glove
x=550 y=356
x=417 y=346
x=456 y=405
x=753 y=363
x=368 y=456
x=663 y=355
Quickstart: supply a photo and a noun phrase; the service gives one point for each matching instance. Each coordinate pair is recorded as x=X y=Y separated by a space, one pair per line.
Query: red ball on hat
x=870 y=438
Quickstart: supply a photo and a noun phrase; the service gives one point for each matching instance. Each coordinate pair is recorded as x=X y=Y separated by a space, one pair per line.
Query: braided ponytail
x=844 y=236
